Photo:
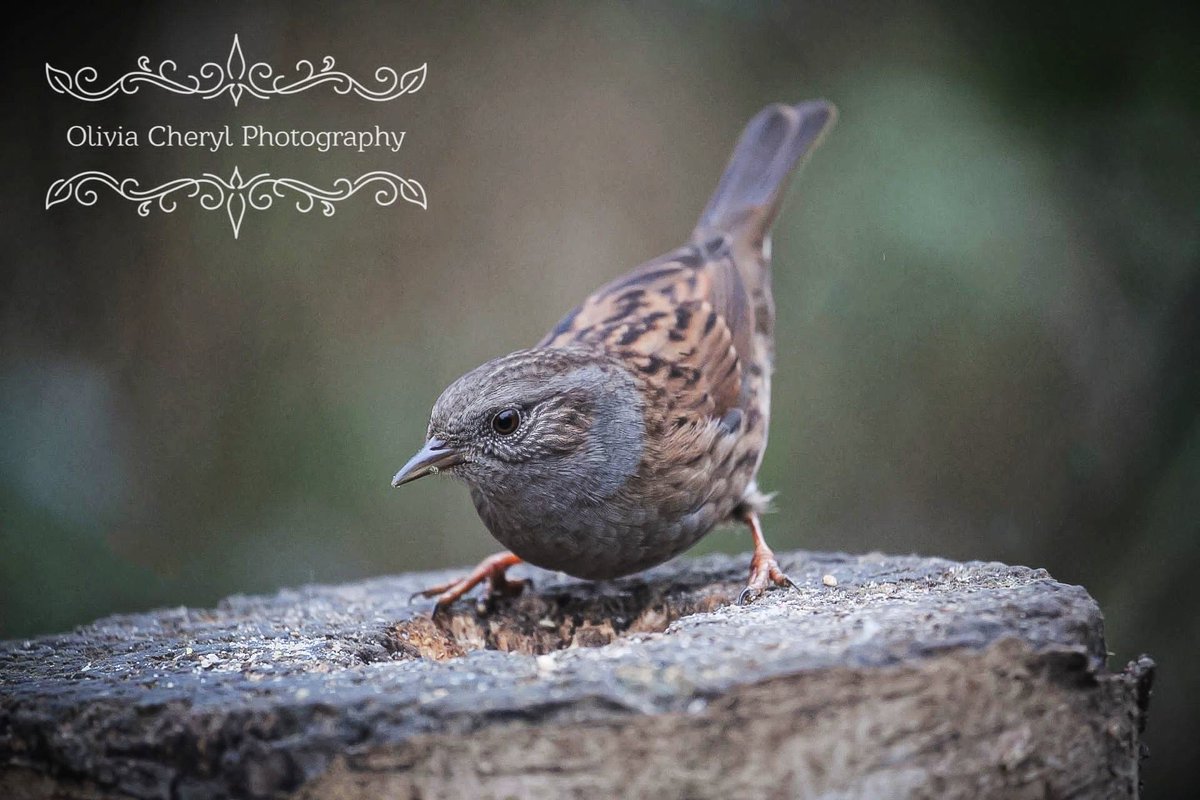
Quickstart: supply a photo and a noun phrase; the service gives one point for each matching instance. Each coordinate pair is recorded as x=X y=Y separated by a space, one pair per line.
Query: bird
x=638 y=423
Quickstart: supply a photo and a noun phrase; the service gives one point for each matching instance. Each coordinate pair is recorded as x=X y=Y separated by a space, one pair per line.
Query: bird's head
x=551 y=422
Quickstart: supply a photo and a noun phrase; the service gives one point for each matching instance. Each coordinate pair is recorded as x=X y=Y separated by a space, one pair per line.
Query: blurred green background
x=988 y=283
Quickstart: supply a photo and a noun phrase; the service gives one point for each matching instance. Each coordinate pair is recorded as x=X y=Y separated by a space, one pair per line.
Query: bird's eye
x=506 y=421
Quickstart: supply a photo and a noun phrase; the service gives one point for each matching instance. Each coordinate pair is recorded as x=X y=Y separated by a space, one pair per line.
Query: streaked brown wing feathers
x=661 y=319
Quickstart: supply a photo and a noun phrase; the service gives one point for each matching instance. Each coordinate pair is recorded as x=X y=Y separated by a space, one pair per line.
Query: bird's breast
x=662 y=510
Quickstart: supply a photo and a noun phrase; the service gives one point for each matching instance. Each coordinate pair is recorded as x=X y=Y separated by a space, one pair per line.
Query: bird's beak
x=434 y=456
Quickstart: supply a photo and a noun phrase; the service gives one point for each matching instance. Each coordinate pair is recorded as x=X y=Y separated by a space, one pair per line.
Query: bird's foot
x=764 y=569
x=764 y=573
x=492 y=570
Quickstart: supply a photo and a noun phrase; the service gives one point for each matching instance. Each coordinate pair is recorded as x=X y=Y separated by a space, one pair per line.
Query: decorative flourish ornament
x=235 y=79
x=235 y=194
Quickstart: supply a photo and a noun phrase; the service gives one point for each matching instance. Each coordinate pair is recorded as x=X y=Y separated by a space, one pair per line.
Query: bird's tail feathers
x=748 y=197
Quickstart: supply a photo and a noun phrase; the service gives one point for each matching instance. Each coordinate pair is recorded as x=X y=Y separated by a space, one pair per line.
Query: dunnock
x=639 y=422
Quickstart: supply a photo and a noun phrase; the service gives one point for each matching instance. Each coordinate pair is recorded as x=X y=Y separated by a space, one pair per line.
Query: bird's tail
x=750 y=192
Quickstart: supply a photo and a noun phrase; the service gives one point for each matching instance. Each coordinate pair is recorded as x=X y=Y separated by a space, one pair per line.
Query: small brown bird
x=639 y=422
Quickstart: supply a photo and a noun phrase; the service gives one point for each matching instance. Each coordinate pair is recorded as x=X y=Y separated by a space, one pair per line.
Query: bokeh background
x=988 y=284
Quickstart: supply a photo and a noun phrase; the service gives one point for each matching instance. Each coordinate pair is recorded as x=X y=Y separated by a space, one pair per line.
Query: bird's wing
x=684 y=319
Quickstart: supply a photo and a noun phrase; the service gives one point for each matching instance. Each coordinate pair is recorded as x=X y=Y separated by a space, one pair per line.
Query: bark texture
x=911 y=677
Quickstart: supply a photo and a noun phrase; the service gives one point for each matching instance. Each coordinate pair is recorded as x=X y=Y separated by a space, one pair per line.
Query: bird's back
x=695 y=328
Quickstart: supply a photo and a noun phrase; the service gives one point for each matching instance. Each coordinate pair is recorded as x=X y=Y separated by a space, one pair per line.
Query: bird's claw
x=432 y=591
x=763 y=575
x=491 y=571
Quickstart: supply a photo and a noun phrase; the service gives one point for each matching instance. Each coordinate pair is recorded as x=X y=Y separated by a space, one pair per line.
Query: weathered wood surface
x=910 y=678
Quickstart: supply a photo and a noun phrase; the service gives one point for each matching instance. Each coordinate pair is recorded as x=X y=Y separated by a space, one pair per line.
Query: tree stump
x=880 y=677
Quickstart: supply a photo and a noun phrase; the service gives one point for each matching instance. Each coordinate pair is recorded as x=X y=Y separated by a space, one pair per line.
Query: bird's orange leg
x=491 y=569
x=764 y=569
